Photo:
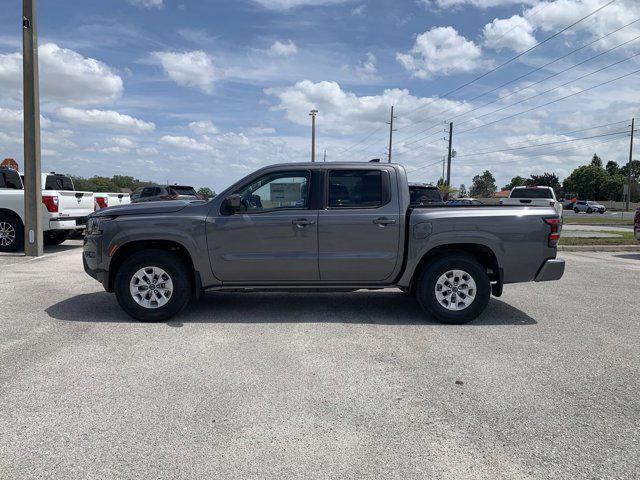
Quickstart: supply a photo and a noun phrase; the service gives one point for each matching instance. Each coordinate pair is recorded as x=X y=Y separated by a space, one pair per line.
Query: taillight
x=51 y=202
x=103 y=202
x=554 y=236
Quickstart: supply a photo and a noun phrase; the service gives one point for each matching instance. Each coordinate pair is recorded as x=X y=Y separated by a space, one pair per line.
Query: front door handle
x=382 y=221
x=302 y=222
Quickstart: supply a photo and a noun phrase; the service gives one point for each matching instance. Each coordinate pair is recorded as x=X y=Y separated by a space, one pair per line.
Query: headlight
x=95 y=224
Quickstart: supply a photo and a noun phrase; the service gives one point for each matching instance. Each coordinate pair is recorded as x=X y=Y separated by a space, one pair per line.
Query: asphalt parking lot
x=357 y=385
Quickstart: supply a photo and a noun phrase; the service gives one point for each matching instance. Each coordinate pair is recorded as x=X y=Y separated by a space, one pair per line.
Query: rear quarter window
x=10 y=179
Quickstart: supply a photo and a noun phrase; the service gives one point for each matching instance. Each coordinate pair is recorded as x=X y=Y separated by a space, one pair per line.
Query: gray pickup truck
x=319 y=227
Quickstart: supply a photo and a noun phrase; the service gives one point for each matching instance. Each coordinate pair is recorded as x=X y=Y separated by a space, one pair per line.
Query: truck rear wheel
x=55 y=237
x=11 y=233
x=454 y=289
x=153 y=285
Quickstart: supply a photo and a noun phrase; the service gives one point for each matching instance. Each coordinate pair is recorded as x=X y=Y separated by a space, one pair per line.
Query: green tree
x=206 y=192
x=104 y=184
x=545 y=180
x=463 y=190
x=613 y=186
x=612 y=168
x=483 y=185
x=516 y=181
x=587 y=181
x=596 y=160
x=635 y=170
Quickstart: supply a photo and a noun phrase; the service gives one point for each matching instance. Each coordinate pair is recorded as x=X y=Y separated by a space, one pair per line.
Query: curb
x=599 y=248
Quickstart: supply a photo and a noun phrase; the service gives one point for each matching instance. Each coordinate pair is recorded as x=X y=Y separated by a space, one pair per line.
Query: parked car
x=422 y=195
x=328 y=226
x=464 y=202
x=64 y=209
x=533 y=197
x=588 y=207
x=636 y=224
x=156 y=193
x=104 y=200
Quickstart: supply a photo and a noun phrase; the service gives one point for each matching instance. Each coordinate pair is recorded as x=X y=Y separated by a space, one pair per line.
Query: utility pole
x=32 y=167
x=444 y=159
x=313 y=114
x=390 y=122
x=324 y=157
x=449 y=155
x=633 y=121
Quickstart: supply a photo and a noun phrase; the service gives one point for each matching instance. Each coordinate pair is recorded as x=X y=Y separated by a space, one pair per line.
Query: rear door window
x=357 y=189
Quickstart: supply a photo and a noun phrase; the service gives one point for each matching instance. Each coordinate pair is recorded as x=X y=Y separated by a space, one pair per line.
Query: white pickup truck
x=64 y=210
x=533 y=197
x=104 y=200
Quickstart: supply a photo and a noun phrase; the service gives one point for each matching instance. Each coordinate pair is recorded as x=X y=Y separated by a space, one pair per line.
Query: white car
x=534 y=197
x=104 y=200
x=64 y=210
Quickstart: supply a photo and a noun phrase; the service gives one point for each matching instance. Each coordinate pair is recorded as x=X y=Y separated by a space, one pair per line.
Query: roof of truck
x=341 y=164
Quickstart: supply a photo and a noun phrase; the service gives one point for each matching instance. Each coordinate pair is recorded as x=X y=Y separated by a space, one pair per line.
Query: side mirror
x=232 y=204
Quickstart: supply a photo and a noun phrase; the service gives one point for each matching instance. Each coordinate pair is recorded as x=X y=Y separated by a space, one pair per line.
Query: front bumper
x=91 y=261
x=552 y=269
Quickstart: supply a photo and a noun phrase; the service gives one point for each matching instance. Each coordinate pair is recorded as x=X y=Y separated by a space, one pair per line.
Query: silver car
x=588 y=207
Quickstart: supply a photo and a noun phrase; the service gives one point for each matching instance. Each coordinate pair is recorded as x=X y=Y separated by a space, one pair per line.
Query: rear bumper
x=552 y=269
x=67 y=223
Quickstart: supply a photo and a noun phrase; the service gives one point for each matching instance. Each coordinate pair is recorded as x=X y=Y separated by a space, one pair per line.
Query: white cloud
x=440 y=51
x=475 y=3
x=345 y=113
x=65 y=75
x=123 y=142
x=147 y=3
x=279 y=49
x=184 y=143
x=13 y=118
x=106 y=119
x=359 y=11
x=202 y=127
x=147 y=151
x=288 y=4
x=515 y=33
x=368 y=69
x=261 y=131
x=190 y=69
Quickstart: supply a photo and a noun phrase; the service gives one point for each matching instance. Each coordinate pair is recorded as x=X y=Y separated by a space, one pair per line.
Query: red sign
x=10 y=163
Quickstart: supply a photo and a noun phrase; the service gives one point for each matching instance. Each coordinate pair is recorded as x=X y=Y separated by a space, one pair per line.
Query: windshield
x=421 y=195
x=531 y=193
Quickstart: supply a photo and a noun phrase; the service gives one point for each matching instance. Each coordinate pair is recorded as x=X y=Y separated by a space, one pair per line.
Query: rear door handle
x=302 y=222
x=384 y=221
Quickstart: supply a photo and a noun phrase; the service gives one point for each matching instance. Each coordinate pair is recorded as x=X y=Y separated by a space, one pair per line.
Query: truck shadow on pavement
x=385 y=308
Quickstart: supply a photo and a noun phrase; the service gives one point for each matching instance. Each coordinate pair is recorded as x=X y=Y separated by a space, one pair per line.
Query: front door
x=359 y=229
x=274 y=238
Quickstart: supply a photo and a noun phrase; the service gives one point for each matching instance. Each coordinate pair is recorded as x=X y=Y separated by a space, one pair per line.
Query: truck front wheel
x=153 y=285
x=454 y=289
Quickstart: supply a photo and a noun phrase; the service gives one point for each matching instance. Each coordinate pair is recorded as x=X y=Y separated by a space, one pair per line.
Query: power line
x=552 y=101
x=507 y=62
x=537 y=69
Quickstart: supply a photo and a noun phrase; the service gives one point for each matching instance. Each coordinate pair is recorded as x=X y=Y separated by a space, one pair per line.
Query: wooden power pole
x=32 y=166
x=633 y=121
x=449 y=155
x=390 y=122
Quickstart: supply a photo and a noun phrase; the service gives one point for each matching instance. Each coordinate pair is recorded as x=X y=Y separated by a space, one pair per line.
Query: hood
x=147 y=208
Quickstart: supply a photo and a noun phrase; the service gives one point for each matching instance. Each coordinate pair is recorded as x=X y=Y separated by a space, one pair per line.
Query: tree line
x=120 y=183
x=589 y=182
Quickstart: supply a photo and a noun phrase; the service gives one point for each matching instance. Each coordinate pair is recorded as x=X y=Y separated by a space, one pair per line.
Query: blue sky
x=203 y=92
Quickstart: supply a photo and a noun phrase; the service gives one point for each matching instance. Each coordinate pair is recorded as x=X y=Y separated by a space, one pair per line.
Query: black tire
x=11 y=233
x=55 y=237
x=589 y=210
x=173 y=266
x=576 y=210
x=426 y=295
x=601 y=212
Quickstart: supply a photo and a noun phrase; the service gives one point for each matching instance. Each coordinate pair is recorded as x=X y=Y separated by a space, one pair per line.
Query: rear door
x=359 y=227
